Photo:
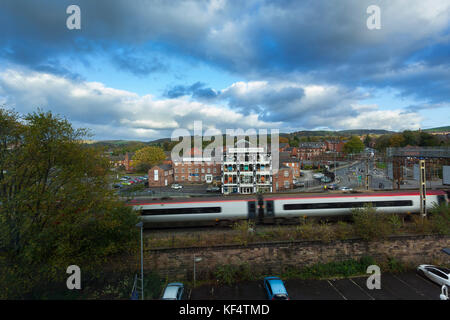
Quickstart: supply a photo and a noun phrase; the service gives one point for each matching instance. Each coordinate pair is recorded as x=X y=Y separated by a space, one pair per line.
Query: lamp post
x=196 y=259
x=141 y=225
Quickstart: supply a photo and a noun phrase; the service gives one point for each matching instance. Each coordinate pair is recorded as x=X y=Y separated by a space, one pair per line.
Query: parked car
x=176 y=186
x=325 y=179
x=213 y=189
x=332 y=186
x=173 y=291
x=275 y=289
x=438 y=275
x=345 y=189
x=299 y=184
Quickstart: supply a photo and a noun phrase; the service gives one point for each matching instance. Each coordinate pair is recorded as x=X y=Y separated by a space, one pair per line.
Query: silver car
x=173 y=291
x=438 y=275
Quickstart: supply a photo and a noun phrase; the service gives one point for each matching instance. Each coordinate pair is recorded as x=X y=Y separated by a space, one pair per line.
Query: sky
x=140 y=69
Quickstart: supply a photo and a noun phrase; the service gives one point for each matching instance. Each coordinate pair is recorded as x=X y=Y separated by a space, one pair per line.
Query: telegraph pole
x=423 y=189
x=367 y=173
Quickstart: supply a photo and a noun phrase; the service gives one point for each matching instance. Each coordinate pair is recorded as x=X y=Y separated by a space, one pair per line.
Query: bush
x=335 y=269
x=440 y=219
x=369 y=225
x=246 y=231
x=395 y=223
x=230 y=274
x=343 y=230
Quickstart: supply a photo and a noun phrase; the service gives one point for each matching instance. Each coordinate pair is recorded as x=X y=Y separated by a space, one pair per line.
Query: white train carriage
x=192 y=212
x=341 y=205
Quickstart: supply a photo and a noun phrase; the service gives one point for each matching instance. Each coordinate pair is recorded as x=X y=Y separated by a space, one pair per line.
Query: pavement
x=404 y=286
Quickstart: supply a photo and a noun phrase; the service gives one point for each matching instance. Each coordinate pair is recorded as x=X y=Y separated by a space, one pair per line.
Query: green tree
x=354 y=145
x=367 y=140
x=148 y=157
x=56 y=209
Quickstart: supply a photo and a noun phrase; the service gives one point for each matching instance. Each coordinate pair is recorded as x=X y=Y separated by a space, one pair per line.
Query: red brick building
x=283 y=180
x=294 y=164
x=309 y=150
x=335 y=145
x=196 y=171
x=160 y=176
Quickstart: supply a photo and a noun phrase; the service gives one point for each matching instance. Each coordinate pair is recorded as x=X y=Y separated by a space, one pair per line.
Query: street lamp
x=141 y=225
x=196 y=259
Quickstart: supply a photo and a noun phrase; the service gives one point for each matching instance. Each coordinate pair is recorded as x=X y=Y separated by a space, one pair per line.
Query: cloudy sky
x=140 y=69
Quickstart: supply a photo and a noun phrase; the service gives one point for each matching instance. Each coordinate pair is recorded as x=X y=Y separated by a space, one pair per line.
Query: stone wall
x=274 y=257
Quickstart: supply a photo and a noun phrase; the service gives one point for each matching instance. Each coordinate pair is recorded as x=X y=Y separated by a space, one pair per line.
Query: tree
x=367 y=140
x=354 y=145
x=56 y=208
x=397 y=140
x=148 y=157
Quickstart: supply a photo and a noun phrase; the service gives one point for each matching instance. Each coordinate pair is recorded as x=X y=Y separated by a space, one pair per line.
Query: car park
x=438 y=275
x=173 y=291
x=275 y=289
x=176 y=186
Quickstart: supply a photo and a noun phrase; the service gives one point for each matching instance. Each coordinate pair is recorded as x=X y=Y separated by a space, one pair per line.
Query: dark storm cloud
x=327 y=42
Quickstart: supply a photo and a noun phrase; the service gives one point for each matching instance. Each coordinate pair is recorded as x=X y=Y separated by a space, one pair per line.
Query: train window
x=148 y=212
x=344 y=205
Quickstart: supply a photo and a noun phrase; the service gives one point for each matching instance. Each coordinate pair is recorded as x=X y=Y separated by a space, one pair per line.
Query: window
x=176 y=178
x=286 y=173
x=155 y=175
x=208 y=170
x=215 y=170
x=184 y=210
x=344 y=205
x=203 y=170
x=286 y=184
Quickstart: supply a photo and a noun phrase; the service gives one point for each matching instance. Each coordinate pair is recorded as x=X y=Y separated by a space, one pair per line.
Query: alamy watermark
x=74 y=280
x=374 y=20
x=374 y=281
x=74 y=20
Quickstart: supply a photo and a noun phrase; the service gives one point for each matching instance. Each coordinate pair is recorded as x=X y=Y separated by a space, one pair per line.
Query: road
x=405 y=286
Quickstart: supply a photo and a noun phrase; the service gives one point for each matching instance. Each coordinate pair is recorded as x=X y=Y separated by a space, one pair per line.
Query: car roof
x=277 y=285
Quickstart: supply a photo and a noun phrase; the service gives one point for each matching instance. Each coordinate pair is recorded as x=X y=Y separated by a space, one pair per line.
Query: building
x=123 y=160
x=309 y=150
x=334 y=145
x=246 y=169
x=160 y=176
x=294 y=164
x=196 y=169
x=189 y=171
x=283 y=180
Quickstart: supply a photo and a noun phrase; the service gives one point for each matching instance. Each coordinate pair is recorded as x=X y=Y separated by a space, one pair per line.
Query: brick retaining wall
x=274 y=257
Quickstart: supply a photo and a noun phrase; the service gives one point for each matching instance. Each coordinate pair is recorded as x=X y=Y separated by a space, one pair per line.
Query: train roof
x=275 y=196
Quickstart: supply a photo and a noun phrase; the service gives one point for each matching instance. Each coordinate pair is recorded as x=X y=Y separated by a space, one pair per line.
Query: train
x=277 y=208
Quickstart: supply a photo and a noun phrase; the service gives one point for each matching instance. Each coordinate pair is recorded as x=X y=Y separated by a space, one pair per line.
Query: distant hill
x=316 y=133
x=438 y=129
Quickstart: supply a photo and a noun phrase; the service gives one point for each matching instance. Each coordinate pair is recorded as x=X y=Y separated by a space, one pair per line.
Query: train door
x=251 y=210
x=260 y=209
x=270 y=212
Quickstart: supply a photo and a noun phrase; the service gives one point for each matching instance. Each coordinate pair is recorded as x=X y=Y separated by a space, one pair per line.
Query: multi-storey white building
x=246 y=169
